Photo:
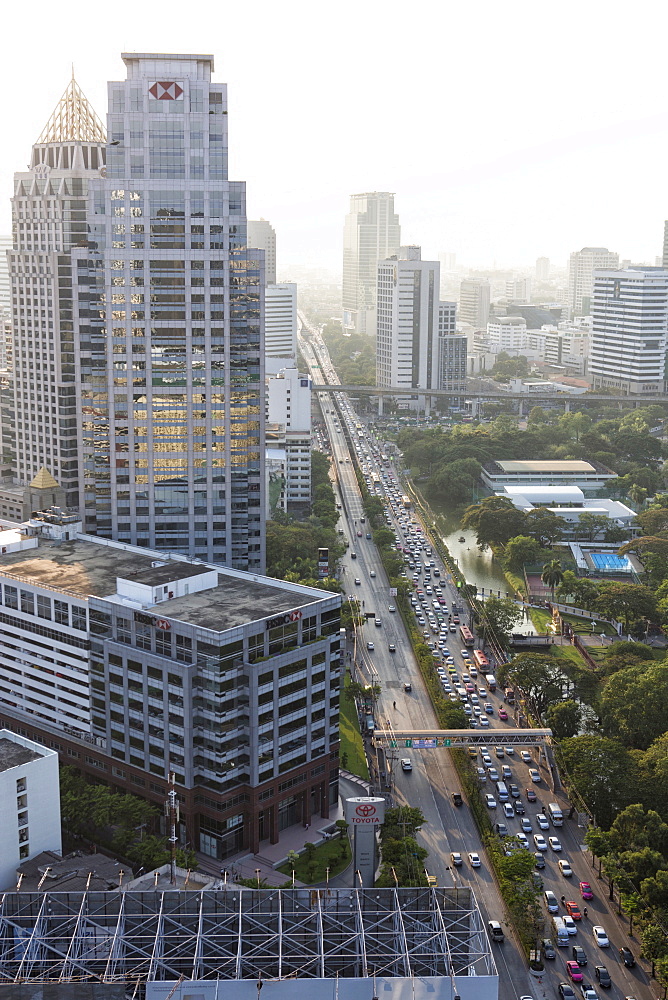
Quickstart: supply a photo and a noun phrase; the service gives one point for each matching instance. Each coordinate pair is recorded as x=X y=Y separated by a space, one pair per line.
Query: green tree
x=498 y=616
x=402 y=821
x=522 y=550
x=552 y=574
x=540 y=677
x=494 y=520
x=592 y=525
x=654 y=944
x=456 y=480
x=635 y=828
x=564 y=718
x=627 y=602
x=575 y=424
x=545 y=526
x=577 y=591
x=604 y=773
x=634 y=704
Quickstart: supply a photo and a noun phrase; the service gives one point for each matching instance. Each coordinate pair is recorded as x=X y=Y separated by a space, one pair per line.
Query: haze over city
x=505 y=134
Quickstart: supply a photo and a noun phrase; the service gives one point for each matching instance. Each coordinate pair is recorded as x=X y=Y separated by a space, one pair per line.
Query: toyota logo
x=365 y=810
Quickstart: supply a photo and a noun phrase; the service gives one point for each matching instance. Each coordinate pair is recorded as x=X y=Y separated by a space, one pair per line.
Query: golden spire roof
x=44 y=480
x=74 y=119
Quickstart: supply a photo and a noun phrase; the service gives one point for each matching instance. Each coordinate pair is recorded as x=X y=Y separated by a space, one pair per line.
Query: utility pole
x=172 y=813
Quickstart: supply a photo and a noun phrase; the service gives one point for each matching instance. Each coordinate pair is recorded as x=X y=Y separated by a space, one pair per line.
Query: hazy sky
x=507 y=131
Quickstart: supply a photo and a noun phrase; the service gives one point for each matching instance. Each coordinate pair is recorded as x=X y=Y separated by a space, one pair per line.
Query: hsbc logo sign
x=289 y=618
x=165 y=90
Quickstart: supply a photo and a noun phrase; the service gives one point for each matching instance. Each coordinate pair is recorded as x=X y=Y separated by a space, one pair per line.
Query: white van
x=560 y=932
x=555 y=814
x=502 y=792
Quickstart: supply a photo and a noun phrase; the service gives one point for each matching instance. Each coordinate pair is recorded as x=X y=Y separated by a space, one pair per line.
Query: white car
x=539 y=842
x=406 y=764
x=600 y=937
x=510 y=751
x=534 y=774
x=554 y=843
x=565 y=868
x=542 y=821
x=484 y=722
x=526 y=756
x=521 y=838
x=474 y=859
x=570 y=924
x=490 y=801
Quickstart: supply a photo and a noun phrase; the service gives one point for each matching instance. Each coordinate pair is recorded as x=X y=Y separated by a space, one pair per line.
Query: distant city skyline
x=488 y=193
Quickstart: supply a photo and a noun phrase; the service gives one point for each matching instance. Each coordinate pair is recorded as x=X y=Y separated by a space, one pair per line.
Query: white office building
x=280 y=323
x=30 y=795
x=474 y=299
x=542 y=268
x=371 y=233
x=581 y=267
x=629 y=338
x=288 y=438
x=262 y=235
x=407 y=341
x=506 y=333
x=518 y=290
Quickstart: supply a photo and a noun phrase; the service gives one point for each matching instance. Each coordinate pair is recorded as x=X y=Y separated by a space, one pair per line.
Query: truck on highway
x=491 y=682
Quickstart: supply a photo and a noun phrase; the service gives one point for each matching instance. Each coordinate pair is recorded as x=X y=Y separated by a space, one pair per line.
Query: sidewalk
x=245 y=865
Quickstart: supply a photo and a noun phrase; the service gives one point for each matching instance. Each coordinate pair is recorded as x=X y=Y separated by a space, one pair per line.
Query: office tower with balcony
x=168 y=321
x=262 y=235
x=474 y=299
x=371 y=234
x=581 y=267
x=629 y=340
x=50 y=218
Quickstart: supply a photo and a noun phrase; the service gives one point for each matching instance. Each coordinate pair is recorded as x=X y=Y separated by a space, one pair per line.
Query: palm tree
x=637 y=495
x=552 y=575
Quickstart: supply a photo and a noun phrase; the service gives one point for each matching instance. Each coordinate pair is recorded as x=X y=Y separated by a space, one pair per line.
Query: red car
x=585 y=890
x=574 y=971
x=531 y=795
x=503 y=714
x=574 y=910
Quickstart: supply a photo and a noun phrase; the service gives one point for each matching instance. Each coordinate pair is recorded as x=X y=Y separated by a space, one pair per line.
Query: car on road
x=539 y=842
x=359 y=534
x=551 y=901
x=493 y=773
x=588 y=992
x=566 y=991
x=554 y=843
x=378 y=623
x=530 y=794
x=508 y=810
x=543 y=822
x=391 y=607
x=525 y=756
x=474 y=858
x=484 y=722
x=600 y=937
x=503 y=715
x=370 y=646
x=501 y=829
x=456 y=859
x=510 y=751
x=358 y=582
x=525 y=824
x=574 y=972
x=565 y=867
x=408 y=686
x=490 y=801
x=538 y=859
x=392 y=648
x=586 y=891
x=533 y=773
x=573 y=909
x=603 y=976
x=521 y=839
x=482 y=775
x=514 y=791
x=457 y=799
x=548 y=949
x=570 y=924
x=495 y=931
x=406 y=764
x=579 y=955
x=626 y=956
x=489 y=708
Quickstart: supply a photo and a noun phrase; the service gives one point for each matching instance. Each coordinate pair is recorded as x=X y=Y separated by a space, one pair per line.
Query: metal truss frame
x=73 y=119
x=237 y=933
x=427 y=739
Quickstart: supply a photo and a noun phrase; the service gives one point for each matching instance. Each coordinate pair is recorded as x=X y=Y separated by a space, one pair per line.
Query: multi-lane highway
x=433 y=778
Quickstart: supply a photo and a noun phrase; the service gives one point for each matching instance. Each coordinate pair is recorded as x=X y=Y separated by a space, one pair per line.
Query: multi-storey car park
x=132 y=663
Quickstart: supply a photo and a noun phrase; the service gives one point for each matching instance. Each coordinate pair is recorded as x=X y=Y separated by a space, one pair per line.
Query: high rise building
x=518 y=290
x=6 y=244
x=50 y=218
x=542 y=268
x=280 y=322
x=168 y=317
x=289 y=432
x=581 y=267
x=371 y=233
x=664 y=258
x=452 y=349
x=629 y=337
x=261 y=234
x=474 y=297
x=407 y=340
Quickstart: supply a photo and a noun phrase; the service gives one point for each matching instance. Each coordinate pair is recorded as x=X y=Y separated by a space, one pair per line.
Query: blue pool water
x=610 y=562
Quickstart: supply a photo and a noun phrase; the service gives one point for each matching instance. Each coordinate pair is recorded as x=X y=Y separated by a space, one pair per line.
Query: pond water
x=480 y=568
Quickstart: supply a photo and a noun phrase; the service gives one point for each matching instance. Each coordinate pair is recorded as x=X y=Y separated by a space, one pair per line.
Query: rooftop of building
x=78 y=872
x=555 y=467
x=86 y=566
x=15 y=755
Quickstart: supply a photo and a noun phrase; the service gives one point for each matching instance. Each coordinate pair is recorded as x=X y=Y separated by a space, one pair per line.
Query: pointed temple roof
x=44 y=480
x=73 y=120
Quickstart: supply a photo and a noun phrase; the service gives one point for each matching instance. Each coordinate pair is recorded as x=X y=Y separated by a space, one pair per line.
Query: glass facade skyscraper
x=168 y=321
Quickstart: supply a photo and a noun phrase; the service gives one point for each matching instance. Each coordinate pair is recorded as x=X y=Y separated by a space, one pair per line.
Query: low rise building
x=589 y=476
x=133 y=664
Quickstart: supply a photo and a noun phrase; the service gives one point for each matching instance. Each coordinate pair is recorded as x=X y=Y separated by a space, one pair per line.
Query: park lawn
x=326 y=855
x=542 y=619
x=351 y=740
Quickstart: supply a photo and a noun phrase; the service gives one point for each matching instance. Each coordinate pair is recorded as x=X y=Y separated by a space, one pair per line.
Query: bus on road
x=406 y=502
x=466 y=635
x=480 y=660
